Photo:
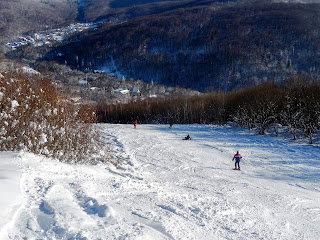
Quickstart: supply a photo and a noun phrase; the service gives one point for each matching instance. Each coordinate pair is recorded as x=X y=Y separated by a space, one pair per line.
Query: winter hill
x=66 y=178
x=167 y=188
x=203 y=45
x=21 y=16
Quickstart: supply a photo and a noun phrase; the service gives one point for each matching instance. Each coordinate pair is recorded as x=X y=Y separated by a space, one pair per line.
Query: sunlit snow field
x=167 y=188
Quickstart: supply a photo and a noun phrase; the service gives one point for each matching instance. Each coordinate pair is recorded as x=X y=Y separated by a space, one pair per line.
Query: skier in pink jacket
x=237 y=157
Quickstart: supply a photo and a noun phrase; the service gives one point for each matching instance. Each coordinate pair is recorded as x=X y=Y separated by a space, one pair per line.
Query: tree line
x=294 y=106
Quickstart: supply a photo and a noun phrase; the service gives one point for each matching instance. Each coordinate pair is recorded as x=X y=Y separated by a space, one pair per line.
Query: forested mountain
x=204 y=44
x=18 y=17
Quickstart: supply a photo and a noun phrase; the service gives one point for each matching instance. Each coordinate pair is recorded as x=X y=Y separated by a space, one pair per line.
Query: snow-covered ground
x=167 y=188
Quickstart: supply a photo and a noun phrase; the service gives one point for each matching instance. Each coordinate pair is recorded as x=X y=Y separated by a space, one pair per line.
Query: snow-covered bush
x=33 y=117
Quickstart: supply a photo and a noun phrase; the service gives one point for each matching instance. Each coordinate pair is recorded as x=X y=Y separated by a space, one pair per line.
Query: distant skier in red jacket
x=135 y=123
x=237 y=157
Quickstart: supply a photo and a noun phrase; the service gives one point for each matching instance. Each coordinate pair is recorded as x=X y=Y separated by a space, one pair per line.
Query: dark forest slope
x=206 y=45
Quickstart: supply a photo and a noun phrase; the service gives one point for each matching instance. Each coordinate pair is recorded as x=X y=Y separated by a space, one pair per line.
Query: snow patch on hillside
x=111 y=68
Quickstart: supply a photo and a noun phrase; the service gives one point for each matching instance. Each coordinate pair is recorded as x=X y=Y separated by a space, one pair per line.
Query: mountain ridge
x=225 y=47
x=200 y=44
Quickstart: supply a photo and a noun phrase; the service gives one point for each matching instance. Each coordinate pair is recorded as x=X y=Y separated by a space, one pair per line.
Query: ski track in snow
x=168 y=188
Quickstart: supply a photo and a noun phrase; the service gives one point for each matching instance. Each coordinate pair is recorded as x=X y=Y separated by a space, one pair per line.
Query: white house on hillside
x=122 y=91
x=135 y=92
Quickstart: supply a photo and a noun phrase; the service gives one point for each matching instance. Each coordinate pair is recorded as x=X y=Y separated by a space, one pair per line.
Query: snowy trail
x=169 y=189
x=274 y=194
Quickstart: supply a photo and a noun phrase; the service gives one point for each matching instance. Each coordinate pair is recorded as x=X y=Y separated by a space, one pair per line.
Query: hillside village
x=49 y=36
x=99 y=86
x=102 y=87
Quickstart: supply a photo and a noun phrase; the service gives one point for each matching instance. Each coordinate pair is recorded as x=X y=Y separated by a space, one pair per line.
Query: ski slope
x=167 y=188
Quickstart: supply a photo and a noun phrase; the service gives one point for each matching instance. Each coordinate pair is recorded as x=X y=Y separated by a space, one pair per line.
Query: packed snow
x=167 y=188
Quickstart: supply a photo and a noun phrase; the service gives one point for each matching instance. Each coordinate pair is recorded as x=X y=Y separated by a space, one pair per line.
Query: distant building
x=135 y=92
x=99 y=71
x=122 y=91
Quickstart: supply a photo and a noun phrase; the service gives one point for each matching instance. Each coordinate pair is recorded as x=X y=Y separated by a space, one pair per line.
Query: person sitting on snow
x=237 y=157
x=187 y=137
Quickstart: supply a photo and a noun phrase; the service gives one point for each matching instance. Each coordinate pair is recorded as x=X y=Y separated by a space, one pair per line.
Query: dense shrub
x=33 y=117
